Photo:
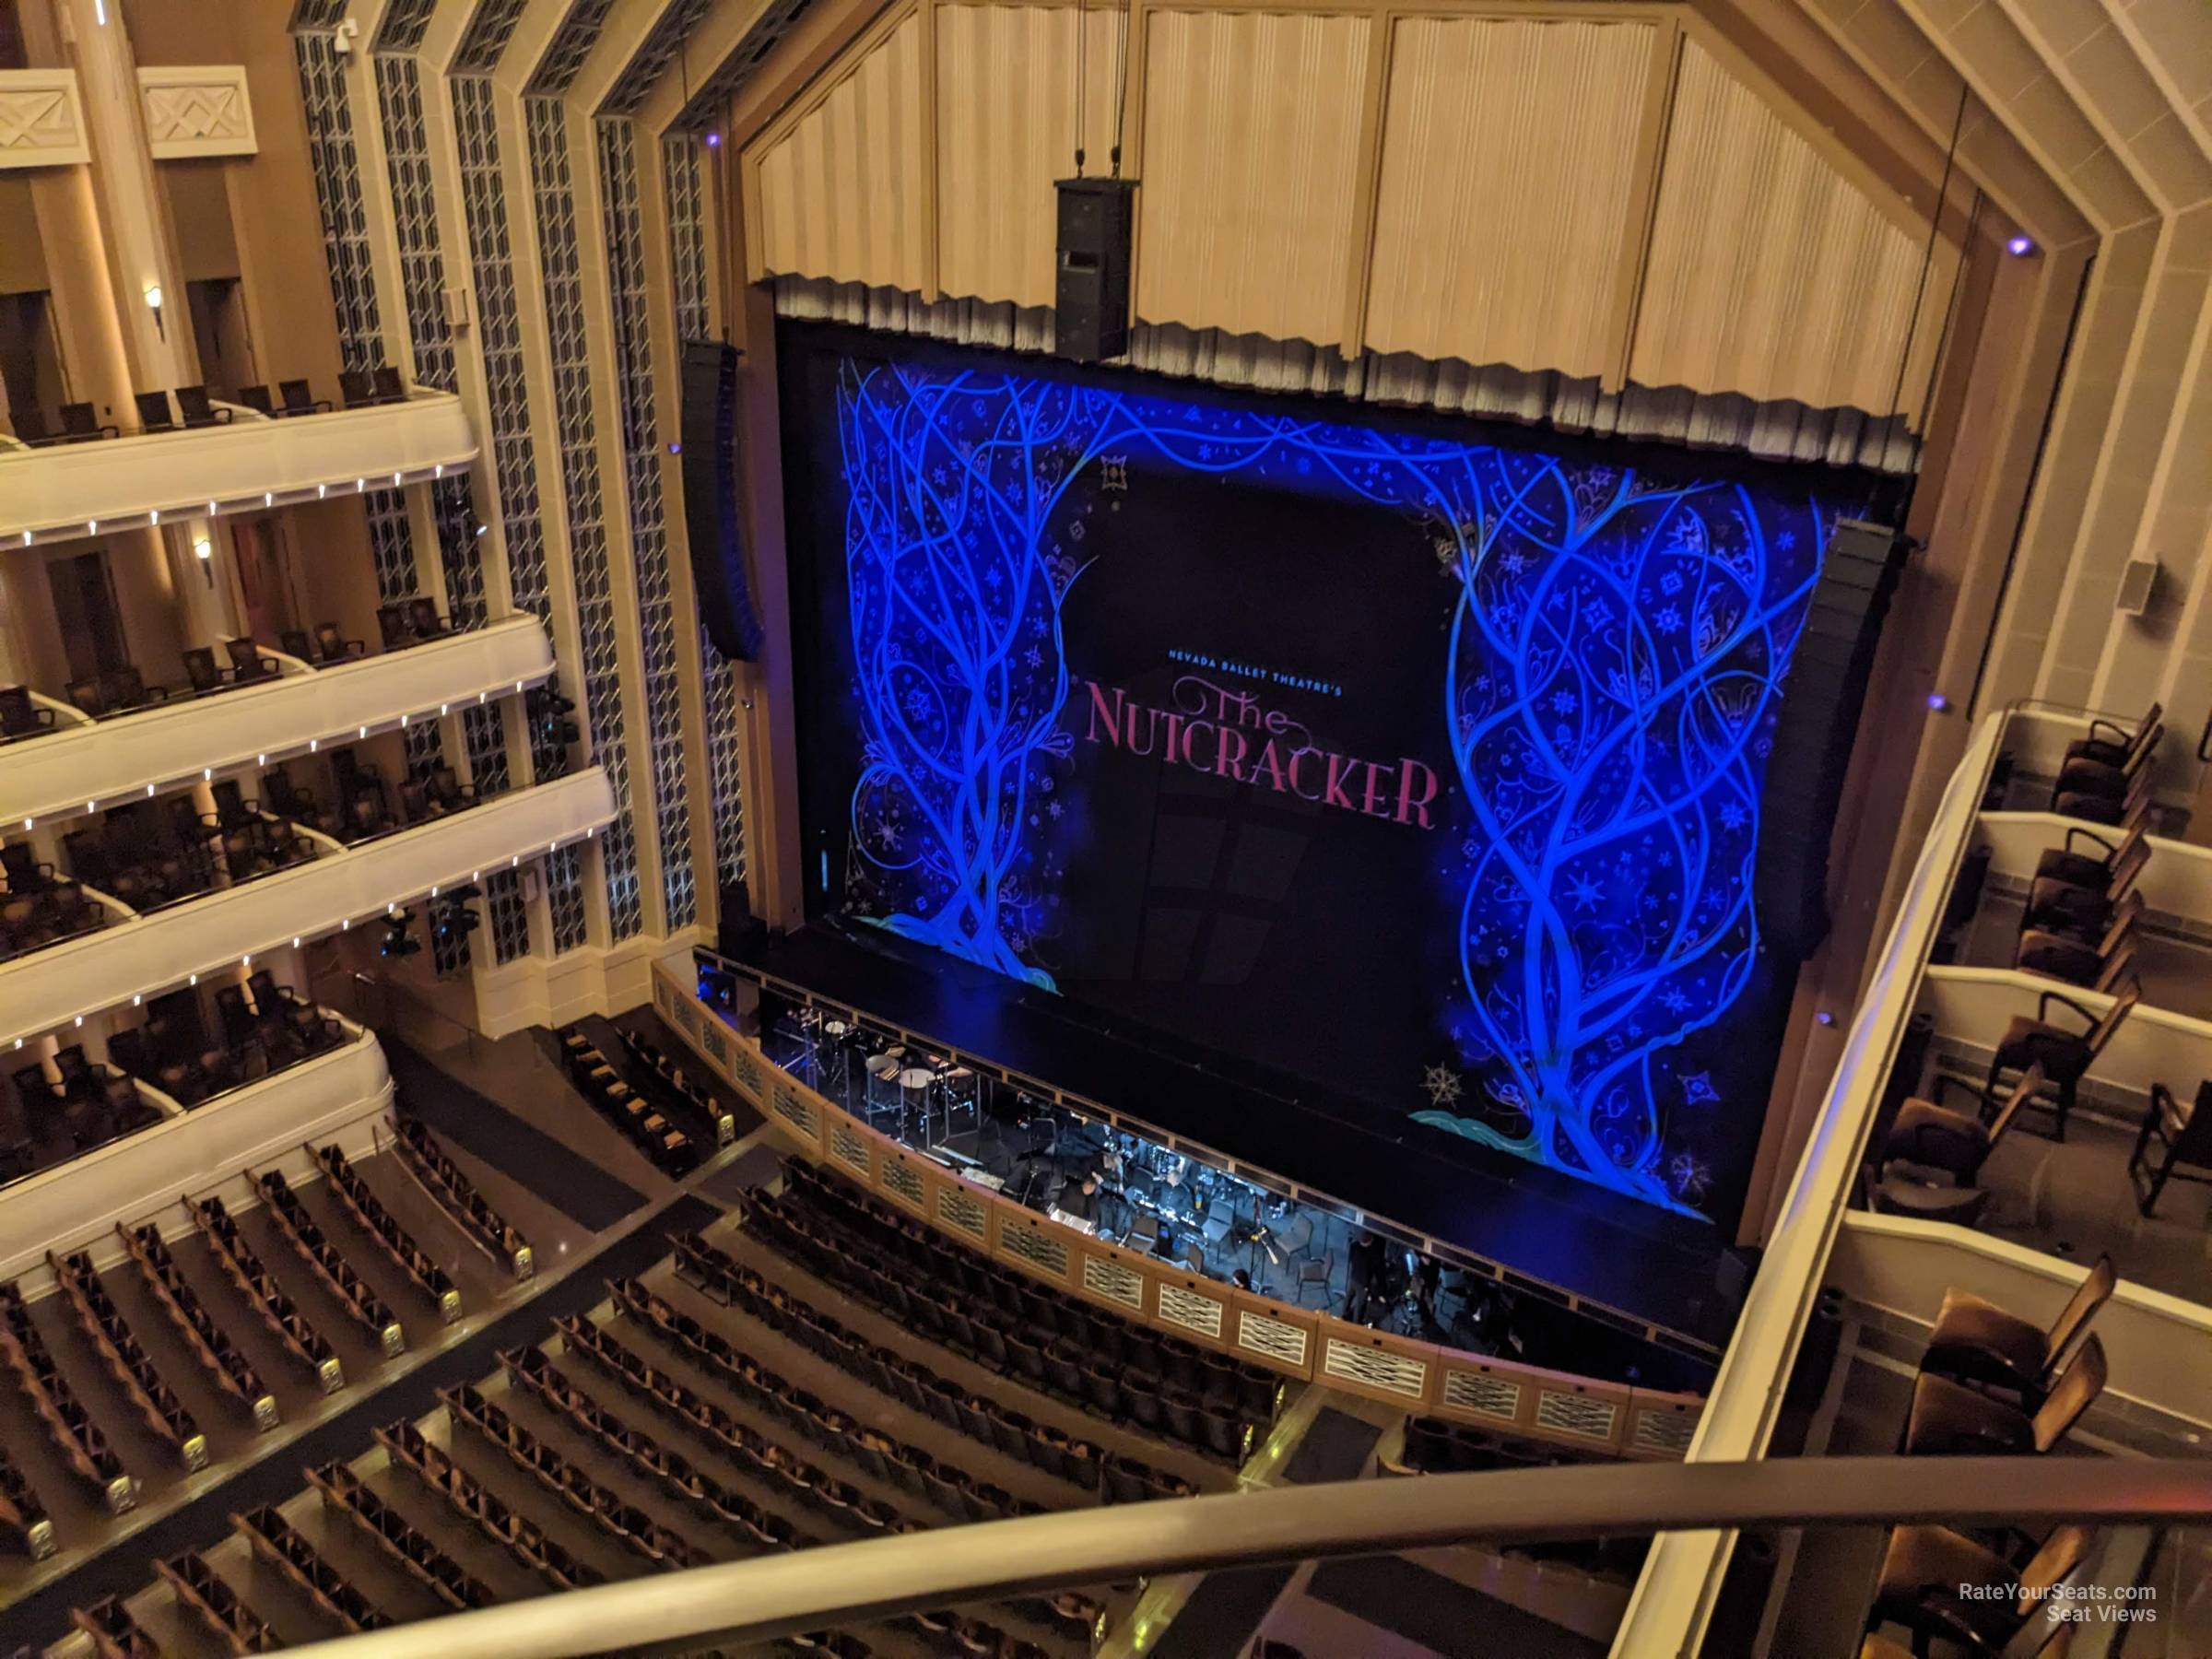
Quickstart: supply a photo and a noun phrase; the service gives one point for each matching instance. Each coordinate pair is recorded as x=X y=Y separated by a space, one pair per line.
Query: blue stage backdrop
x=1426 y=770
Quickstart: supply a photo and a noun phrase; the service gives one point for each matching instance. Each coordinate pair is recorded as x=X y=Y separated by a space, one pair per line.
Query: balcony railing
x=78 y=1204
x=145 y=954
x=84 y=761
x=244 y=465
x=755 y=1601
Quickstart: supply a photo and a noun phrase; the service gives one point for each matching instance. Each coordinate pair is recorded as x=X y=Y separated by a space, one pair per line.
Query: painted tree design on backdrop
x=1617 y=643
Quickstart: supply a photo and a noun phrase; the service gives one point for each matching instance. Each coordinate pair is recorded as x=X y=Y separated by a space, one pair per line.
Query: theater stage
x=1626 y=1263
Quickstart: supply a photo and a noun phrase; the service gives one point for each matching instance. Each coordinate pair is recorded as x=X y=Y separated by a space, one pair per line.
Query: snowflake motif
x=1786 y=540
x=917 y=703
x=1668 y=621
x=1732 y=815
x=992 y=578
x=1442 y=1084
x=1052 y=808
x=1672 y=999
x=1075 y=531
x=1513 y=562
x=1033 y=657
x=1698 y=1089
x=1470 y=848
x=1688 y=1177
x=1670 y=584
x=1564 y=703
x=1585 y=893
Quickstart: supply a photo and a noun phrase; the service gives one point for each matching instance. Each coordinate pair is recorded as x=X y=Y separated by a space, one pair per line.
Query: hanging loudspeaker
x=710 y=514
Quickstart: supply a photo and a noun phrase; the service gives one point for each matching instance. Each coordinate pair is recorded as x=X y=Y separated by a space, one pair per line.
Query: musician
x=1362 y=1267
x=1081 y=1199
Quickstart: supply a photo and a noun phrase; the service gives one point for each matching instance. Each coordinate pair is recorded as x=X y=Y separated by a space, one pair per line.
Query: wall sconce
x=203 y=548
x=153 y=303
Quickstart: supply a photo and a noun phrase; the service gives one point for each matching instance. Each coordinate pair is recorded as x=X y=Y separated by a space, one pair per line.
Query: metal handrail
x=1683 y=1574
x=846 y=1583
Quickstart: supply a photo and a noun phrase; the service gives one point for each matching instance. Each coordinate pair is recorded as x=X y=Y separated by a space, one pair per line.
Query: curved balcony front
x=48 y=989
x=249 y=462
x=102 y=760
x=79 y=1203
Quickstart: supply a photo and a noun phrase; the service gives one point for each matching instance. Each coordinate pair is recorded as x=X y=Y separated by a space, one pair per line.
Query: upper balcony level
x=2021 y=1100
x=74 y=764
x=326 y=889
x=218 y=456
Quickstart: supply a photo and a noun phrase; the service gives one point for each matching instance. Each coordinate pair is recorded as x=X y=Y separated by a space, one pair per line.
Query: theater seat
x=1977 y=1343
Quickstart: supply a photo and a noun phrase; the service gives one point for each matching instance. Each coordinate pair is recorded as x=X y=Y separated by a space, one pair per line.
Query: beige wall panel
x=1509 y=156
x=1769 y=274
x=22 y=261
x=842 y=190
x=1251 y=160
x=1006 y=130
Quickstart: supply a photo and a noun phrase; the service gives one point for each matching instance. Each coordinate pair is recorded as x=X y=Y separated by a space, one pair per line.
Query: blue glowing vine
x=1618 y=644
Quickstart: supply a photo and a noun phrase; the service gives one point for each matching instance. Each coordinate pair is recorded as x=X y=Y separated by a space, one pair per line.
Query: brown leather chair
x=2111 y=744
x=2184 y=1134
x=2080 y=893
x=1926 y=1567
x=2071 y=864
x=2083 y=796
x=1957 y=1143
x=1949 y=1418
x=1977 y=1343
x=2097 y=964
x=2064 y=1057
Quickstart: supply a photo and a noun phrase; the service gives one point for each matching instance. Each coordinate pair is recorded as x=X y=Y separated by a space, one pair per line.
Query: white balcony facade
x=102 y=762
x=336 y=1096
x=47 y=990
x=249 y=462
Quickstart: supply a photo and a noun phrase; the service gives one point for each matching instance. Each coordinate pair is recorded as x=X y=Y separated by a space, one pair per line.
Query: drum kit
x=922 y=1095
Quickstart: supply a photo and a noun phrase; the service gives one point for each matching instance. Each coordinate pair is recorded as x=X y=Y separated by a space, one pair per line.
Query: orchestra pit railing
x=776 y=1596
x=1554 y=1409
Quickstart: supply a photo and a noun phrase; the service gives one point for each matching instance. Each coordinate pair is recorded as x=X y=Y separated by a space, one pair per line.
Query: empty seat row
x=21 y=715
x=368 y=1210
x=114 y=1633
x=327 y=1264
x=23 y=1520
x=419 y=1151
x=244 y=1268
x=45 y=909
x=221 y=1358
x=664 y=1073
x=1436 y=1446
x=396 y=1538
x=545 y=1464
x=1991 y=1384
x=277 y=1541
x=951 y=1489
x=2106 y=778
x=125 y=1358
x=534 y=1373
x=520 y=1538
x=193 y=404
x=68 y=1425
x=891 y=1372
x=80 y=423
x=845 y=1504
x=411 y=621
x=669 y=1149
x=216 y=1606
x=1106 y=1336
x=1155 y=1383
